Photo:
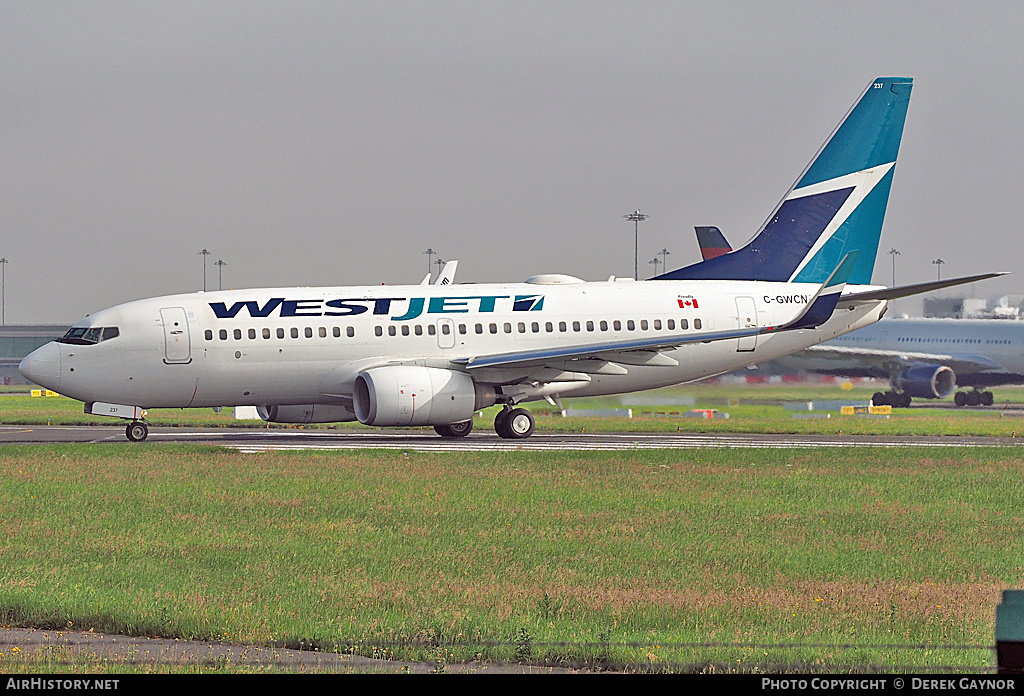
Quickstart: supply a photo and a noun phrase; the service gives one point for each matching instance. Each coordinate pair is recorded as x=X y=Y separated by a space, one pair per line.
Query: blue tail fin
x=836 y=206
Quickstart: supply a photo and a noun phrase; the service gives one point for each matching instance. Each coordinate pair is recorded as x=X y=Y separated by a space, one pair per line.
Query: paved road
x=257 y=439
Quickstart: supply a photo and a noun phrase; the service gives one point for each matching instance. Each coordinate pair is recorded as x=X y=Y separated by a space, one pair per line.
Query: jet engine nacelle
x=411 y=395
x=927 y=381
x=305 y=413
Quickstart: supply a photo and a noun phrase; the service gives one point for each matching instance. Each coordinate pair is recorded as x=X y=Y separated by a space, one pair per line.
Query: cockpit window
x=82 y=336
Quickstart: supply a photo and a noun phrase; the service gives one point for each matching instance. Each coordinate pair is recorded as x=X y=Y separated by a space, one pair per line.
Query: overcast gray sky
x=331 y=143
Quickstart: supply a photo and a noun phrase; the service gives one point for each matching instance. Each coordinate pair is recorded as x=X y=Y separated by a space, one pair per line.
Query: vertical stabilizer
x=836 y=206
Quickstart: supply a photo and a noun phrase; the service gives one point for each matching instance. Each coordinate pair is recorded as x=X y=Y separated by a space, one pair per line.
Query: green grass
x=602 y=559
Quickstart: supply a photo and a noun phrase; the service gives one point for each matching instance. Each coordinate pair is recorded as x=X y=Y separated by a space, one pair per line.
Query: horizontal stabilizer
x=917 y=288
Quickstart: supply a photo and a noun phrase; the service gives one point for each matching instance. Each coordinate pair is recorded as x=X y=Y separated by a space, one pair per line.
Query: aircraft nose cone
x=42 y=366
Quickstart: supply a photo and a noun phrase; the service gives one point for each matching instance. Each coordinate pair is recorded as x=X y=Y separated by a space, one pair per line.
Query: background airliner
x=434 y=354
x=925 y=358
x=921 y=358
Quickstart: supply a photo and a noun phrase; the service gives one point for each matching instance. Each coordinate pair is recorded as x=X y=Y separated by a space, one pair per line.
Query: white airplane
x=925 y=358
x=435 y=354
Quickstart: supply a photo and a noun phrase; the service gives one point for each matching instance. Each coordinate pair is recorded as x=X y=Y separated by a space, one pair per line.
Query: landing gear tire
x=454 y=429
x=891 y=398
x=137 y=431
x=960 y=399
x=987 y=399
x=514 y=424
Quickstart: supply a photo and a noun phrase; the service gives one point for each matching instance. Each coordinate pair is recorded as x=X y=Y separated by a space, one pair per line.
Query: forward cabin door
x=177 y=343
x=746 y=314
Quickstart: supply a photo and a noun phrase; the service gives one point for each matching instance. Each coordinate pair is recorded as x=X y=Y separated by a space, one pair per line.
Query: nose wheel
x=137 y=431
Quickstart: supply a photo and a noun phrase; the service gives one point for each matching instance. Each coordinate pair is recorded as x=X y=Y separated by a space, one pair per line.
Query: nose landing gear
x=137 y=431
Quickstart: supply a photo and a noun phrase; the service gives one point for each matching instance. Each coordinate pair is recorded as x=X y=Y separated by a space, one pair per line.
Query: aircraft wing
x=961 y=363
x=817 y=311
x=604 y=351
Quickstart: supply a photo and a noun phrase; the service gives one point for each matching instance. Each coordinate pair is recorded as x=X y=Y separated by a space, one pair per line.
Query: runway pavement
x=257 y=439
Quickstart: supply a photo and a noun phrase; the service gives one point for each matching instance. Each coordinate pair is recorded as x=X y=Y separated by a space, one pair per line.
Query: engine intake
x=927 y=381
x=411 y=395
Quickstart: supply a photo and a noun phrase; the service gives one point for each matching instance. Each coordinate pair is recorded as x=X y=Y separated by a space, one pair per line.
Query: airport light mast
x=636 y=218
x=430 y=258
x=220 y=264
x=655 y=261
x=894 y=253
x=3 y=290
x=204 y=253
x=938 y=268
x=664 y=259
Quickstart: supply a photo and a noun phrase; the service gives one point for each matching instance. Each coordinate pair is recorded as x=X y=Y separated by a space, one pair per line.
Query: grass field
x=607 y=560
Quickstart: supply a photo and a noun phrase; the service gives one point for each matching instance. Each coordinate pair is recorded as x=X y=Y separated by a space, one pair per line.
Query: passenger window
x=323 y=332
x=493 y=328
x=479 y=328
x=266 y=333
x=521 y=327
x=446 y=329
x=308 y=332
x=295 y=332
x=643 y=325
x=683 y=324
x=535 y=327
x=590 y=326
x=657 y=324
x=378 y=331
x=405 y=329
x=462 y=328
x=238 y=334
x=337 y=332
x=418 y=330
x=431 y=329
x=549 y=327
x=223 y=333
x=208 y=335
x=252 y=334
x=392 y=331
x=630 y=324
x=562 y=326
x=670 y=324
x=575 y=326
x=350 y=332
x=280 y=333
x=696 y=323
x=507 y=327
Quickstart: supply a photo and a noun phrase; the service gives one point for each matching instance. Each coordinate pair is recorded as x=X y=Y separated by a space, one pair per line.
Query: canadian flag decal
x=688 y=303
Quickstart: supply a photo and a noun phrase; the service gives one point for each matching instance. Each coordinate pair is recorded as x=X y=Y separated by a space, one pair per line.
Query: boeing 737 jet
x=432 y=355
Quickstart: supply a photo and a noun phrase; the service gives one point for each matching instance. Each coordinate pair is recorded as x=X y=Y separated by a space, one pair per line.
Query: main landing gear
x=975 y=397
x=510 y=423
x=137 y=431
x=514 y=423
x=454 y=429
x=891 y=398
